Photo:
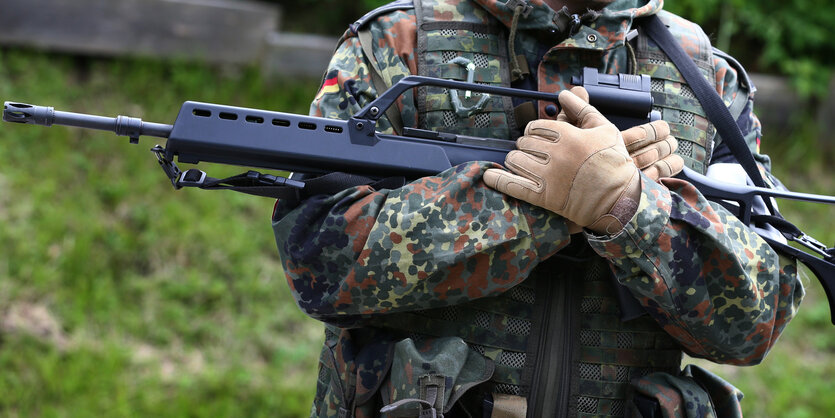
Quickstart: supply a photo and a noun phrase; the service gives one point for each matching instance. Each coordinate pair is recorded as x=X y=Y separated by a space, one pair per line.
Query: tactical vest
x=557 y=338
x=452 y=36
x=673 y=97
x=451 y=30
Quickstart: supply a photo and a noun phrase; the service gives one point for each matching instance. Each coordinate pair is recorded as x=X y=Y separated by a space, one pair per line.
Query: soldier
x=474 y=292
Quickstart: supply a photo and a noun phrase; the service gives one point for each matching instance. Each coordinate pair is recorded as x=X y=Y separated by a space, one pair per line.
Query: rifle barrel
x=48 y=116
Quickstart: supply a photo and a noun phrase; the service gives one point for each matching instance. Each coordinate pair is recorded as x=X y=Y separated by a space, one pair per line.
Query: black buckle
x=271 y=180
x=191 y=178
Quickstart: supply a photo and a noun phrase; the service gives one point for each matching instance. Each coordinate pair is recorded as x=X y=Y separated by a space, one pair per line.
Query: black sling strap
x=713 y=105
x=267 y=185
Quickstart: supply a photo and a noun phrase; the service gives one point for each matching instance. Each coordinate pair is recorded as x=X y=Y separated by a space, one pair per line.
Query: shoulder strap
x=393 y=113
x=395 y=5
x=713 y=105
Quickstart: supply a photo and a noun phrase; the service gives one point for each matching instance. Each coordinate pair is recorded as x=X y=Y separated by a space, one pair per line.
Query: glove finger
x=511 y=184
x=526 y=164
x=639 y=136
x=536 y=142
x=666 y=167
x=548 y=129
x=580 y=92
x=580 y=112
x=648 y=155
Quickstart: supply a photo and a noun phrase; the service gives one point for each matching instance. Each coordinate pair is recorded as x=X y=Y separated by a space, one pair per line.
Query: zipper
x=551 y=385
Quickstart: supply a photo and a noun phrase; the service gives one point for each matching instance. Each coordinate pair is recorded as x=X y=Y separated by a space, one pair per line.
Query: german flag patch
x=330 y=85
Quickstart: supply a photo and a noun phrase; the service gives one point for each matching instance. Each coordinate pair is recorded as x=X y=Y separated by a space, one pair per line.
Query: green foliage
x=330 y=17
x=373 y=4
x=792 y=38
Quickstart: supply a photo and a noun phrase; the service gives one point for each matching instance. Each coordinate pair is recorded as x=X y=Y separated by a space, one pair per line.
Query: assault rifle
x=240 y=136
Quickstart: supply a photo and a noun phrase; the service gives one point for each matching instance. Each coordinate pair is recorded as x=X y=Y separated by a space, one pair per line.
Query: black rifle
x=276 y=140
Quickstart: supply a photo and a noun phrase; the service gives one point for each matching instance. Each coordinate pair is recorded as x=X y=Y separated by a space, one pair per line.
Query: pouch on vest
x=696 y=392
x=350 y=377
x=427 y=378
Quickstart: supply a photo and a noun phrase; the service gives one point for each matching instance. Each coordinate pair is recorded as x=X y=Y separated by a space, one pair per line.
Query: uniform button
x=591 y=38
x=551 y=110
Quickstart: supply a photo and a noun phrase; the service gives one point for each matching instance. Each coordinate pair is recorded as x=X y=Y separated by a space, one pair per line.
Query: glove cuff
x=622 y=211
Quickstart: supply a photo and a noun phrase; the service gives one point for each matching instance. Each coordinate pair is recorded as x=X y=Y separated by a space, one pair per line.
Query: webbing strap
x=393 y=113
x=266 y=185
x=713 y=105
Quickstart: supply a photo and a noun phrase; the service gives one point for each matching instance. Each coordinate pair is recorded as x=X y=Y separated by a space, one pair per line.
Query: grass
x=122 y=297
x=155 y=302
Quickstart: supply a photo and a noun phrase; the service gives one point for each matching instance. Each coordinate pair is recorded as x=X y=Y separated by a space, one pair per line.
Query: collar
x=613 y=23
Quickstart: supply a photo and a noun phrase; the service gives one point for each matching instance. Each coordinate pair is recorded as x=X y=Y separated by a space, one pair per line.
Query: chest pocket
x=446 y=49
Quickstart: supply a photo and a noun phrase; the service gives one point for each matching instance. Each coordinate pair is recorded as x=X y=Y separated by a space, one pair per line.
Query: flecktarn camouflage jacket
x=371 y=262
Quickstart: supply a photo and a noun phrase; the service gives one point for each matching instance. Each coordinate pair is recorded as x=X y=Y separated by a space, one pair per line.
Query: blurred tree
x=327 y=17
x=792 y=38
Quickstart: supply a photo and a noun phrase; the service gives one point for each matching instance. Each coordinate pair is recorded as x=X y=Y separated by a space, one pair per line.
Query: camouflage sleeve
x=705 y=277
x=438 y=241
x=709 y=280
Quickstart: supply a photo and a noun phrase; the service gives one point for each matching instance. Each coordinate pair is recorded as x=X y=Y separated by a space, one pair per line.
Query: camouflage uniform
x=439 y=287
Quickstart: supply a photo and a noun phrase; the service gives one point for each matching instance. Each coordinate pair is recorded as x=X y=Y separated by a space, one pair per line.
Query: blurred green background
x=122 y=297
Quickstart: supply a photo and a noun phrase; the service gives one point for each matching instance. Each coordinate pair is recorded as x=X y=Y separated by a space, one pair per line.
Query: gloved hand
x=577 y=167
x=650 y=145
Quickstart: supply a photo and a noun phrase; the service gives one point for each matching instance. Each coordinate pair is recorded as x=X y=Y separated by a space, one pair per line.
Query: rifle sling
x=257 y=184
x=393 y=113
x=713 y=105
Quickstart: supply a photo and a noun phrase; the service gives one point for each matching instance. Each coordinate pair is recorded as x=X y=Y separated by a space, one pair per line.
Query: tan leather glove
x=577 y=167
x=650 y=145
